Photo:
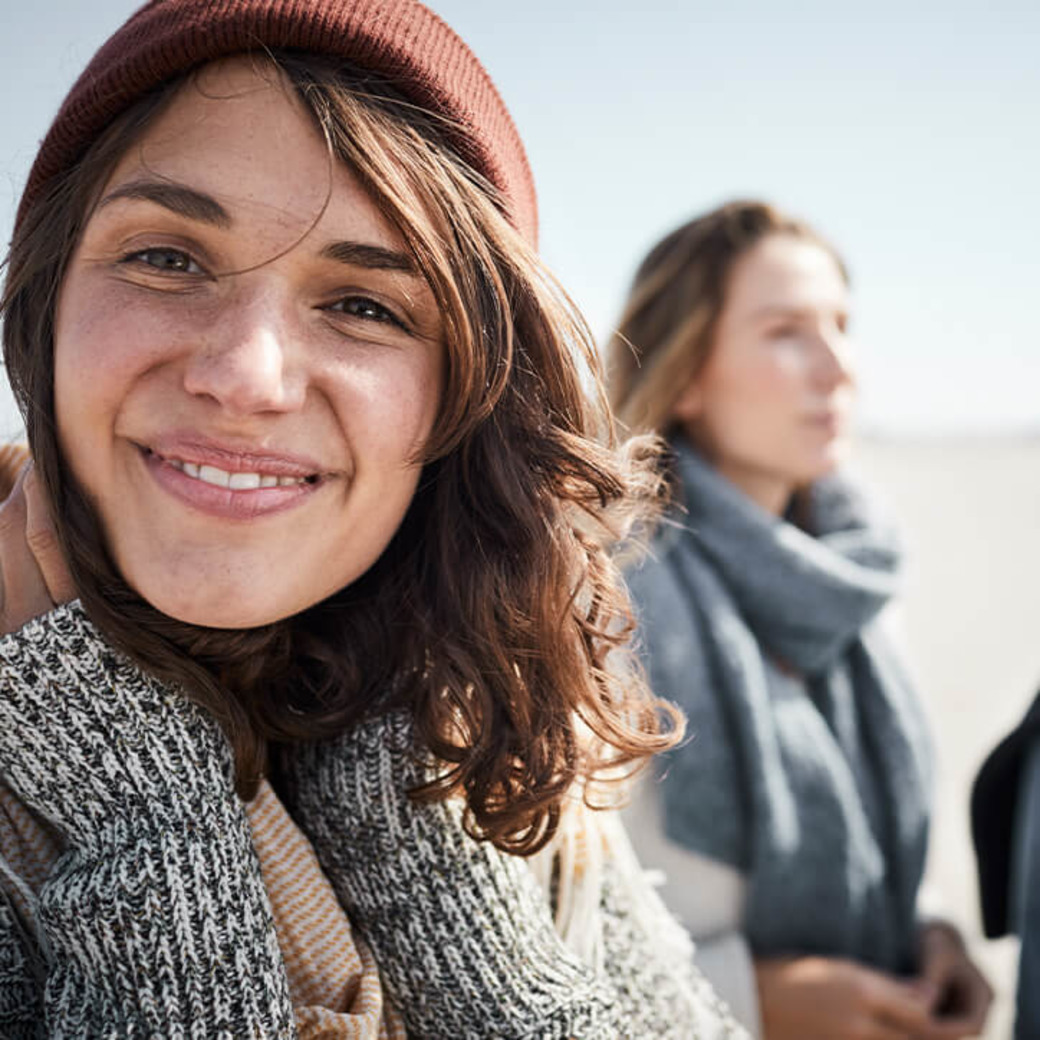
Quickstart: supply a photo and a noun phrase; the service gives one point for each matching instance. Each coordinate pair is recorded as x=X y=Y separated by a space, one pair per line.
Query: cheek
x=388 y=404
x=778 y=373
x=85 y=365
x=385 y=412
x=751 y=404
x=753 y=393
x=103 y=340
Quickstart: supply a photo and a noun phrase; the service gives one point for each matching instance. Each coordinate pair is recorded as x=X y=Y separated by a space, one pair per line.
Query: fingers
x=964 y=996
x=875 y=1030
x=942 y=949
x=972 y=997
x=24 y=591
x=42 y=540
x=901 y=1006
x=822 y=997
x=13 y=458
x=948 y=1029
x=967 y=1002
x=980 y=997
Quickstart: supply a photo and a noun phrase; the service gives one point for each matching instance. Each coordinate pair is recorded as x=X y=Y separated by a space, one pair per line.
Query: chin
x=221 y=608
x=219 y=615
x=827 y=466
x=839 y=454
x=830 y=457
x=805 y=475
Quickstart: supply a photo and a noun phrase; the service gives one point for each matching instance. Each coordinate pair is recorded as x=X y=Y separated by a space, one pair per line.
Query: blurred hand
x=824 y=998
x=13 y=458
x=34 y=577
x=962 y=994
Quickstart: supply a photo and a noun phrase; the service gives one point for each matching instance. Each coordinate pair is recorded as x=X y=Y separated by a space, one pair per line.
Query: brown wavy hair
x=496 y=615
x=667 y=327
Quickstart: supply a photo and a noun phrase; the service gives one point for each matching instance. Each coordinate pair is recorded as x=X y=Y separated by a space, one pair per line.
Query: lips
x=187 y=450
x=237 y=480
x=829 y=420
x=229 y=482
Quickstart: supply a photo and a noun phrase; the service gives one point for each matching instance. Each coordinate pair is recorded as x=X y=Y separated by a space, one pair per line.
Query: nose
x=833 y=360
x=246 y=361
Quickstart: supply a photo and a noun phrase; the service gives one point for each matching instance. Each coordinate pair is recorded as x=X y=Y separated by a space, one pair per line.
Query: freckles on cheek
x=107 y=327
x=394 y=413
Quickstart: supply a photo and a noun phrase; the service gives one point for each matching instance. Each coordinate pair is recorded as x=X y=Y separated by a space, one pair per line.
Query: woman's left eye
x=367 y=309
x=165 y=260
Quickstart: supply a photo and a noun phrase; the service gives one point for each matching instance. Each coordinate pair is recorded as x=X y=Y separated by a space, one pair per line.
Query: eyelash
x=378 y=313
x=382 y=315
x=139 y=257
x=783 y=331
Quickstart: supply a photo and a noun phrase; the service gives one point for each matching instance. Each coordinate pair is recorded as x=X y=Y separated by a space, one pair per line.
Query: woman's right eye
x=175 y=261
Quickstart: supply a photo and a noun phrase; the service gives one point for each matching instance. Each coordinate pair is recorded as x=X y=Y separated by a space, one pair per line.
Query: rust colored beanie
x=400 y=39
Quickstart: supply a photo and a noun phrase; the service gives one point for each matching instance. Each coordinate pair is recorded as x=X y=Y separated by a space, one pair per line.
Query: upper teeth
x=234 y=481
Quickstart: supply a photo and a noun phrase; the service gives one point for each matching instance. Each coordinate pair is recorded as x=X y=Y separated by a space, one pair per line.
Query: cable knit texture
x=155 y=922
x=463 y=933
x=20 y=1010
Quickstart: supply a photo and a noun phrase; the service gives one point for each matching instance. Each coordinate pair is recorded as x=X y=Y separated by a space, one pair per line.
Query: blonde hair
x=668 y=324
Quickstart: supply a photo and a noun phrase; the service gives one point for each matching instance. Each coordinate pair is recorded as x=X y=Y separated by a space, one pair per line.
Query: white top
x=708 y=898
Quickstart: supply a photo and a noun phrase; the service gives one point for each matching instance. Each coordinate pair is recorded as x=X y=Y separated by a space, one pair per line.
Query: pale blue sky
x=906 y=131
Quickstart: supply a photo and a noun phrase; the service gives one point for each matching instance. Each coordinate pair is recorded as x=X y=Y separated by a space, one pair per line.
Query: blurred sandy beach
x=970 y=511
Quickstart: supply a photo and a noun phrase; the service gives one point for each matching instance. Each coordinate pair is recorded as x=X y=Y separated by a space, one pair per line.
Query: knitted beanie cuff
x=401 y=40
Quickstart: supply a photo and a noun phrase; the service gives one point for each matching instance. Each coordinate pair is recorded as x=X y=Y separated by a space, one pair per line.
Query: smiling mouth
x=237 y=480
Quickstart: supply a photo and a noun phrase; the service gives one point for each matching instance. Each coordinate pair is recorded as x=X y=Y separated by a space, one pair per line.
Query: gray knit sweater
x=155 y=921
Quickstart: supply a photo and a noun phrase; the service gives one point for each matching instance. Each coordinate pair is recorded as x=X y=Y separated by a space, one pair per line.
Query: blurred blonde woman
x=792 y=827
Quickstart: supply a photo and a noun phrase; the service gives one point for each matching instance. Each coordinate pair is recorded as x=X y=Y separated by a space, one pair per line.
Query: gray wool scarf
x=809 y=764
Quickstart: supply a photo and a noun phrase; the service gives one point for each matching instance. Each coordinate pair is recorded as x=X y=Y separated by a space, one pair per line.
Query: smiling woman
x=306 y=719
x=233 y=318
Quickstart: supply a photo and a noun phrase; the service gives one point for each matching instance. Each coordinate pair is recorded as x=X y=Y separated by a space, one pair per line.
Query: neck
x=764 y=489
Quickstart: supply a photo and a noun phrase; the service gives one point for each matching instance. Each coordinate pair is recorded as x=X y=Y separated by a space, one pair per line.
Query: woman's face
x=770 y=408
x=247 y=361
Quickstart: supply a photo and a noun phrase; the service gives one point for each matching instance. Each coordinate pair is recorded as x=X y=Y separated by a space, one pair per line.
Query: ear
x=690 y=402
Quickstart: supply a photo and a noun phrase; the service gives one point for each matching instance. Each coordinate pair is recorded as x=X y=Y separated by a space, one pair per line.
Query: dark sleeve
x=995 y=798
x=155 y=921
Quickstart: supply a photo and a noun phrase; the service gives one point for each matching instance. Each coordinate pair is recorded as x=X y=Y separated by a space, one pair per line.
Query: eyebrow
x=359 y=254
x=778 y=308
x=785 y=310
x=178 y=198
x=197 y=205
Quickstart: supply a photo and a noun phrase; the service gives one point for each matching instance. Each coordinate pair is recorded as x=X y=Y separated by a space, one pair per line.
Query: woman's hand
x=34 y=577
x=823 y=998
x=962 y=994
